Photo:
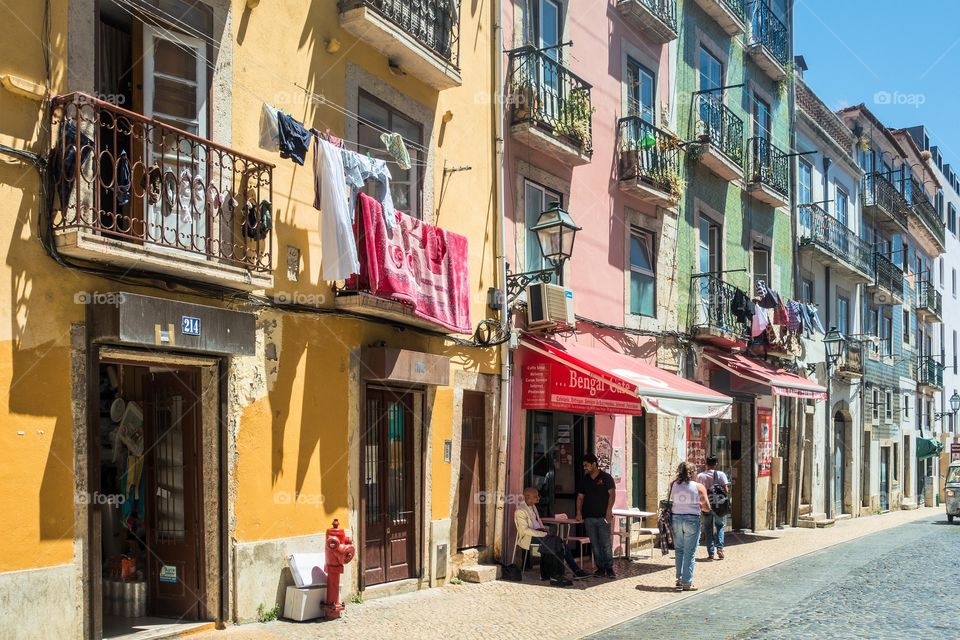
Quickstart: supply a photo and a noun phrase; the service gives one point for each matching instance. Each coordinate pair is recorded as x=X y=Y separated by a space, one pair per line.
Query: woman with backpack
x=689 y=499
x=718 y=492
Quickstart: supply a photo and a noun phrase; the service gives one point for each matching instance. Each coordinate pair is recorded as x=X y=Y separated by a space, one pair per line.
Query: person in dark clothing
x=595 y=499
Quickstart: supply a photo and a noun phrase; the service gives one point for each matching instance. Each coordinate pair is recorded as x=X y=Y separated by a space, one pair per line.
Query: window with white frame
x=888 y=405
x=843 y=315
x=876 y=404
x=536 y=200
x=643 y=276
x=906 y=407
x=761 y=264
x=840 y=205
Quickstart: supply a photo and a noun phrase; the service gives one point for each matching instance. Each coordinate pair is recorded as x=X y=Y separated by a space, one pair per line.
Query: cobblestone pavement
x=534 y=610
x=893 y=584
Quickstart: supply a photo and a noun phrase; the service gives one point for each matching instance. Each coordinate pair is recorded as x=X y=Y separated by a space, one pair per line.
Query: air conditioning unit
x=548 y=306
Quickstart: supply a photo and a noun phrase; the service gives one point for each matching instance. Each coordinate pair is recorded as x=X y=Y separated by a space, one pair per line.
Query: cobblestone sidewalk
x=533 y=609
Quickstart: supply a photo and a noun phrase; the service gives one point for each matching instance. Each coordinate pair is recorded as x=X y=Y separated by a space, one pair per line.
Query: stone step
x=822 y=523
x=805 y=509
x=479 y=573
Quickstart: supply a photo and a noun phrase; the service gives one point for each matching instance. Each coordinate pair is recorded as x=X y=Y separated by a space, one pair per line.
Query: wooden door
x=389 y=512
x=173 y=467
x=472 y=480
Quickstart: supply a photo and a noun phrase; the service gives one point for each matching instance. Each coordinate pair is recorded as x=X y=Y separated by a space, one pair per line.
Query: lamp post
x=954 y=408
x=556 y=233
x=833 y=343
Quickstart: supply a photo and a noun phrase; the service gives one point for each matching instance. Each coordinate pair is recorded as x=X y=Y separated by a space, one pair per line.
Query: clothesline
x=159 y=14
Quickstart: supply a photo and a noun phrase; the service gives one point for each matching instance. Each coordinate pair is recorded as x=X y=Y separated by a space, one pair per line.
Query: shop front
x=756 y=445
x=576 y=400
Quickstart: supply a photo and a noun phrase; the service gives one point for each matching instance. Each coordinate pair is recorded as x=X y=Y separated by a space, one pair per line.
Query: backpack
x=719 y=498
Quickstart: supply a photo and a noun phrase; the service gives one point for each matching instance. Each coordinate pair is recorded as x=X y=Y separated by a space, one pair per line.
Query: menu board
x=696 y=444
x=764 y=441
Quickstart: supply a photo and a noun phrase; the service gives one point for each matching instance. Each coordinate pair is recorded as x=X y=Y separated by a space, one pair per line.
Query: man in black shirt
x=595 y=499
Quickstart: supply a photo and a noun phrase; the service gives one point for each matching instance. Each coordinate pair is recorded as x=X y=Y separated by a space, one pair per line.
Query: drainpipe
x=828 y=445
x=499 y=175
x=799 y=419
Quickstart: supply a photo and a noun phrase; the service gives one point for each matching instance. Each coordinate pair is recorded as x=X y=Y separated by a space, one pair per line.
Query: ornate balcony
x=711 y=318
x=929 y=303
x=551 y=110
x=850 y=364
x=830 y=241
x=929 y=375
x=769 y=42
x=138 y=194
x=887 y=287
x=422 y=37
x=649 y=163
x=884 y=203
x=768 y=174
x=928 y=228
x=657 y=19
x=729 y=14
x=719 y=136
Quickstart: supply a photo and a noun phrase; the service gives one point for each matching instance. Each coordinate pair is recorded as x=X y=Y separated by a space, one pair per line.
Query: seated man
x=532 y=531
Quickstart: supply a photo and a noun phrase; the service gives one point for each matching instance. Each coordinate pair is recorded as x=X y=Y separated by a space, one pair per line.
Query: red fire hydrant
x=340 y=551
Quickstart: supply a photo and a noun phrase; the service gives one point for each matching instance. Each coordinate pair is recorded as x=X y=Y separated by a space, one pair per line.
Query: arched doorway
x=839 y=460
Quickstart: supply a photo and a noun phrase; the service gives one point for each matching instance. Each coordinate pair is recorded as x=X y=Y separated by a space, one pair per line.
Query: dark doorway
x=839 y=461
x=173 y=465
x=884 y=478
x=388 y=507
x=784 y=451
x=638 y=461
x=472 y=481
x=555 y=443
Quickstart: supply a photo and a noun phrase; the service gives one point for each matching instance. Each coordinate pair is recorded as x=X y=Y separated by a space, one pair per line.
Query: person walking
x=718 y=491
x=689 y=500
x=595 y=499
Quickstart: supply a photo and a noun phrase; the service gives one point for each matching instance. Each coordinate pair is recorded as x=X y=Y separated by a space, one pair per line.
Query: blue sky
x=902 y=59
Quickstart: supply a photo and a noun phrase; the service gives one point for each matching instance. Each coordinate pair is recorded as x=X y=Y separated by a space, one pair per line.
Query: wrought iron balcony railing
x=710 y=306
x=851 y=358
x=820 y=228
x=433 y=23
x=929 y=299
x=927 y=213
x=878 y=192
x=736 y=8
x=769 y=165
x=648 y=154
x=545 y=93
x=889 y=276
x=929 y=372
x=767 y=30
x=720 y=126
x=123 y=176
x=666 y=10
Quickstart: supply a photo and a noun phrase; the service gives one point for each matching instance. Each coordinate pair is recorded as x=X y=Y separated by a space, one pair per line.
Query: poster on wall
x=764 y=441
x=603 y=450
x=616 y=463
x=696 y=446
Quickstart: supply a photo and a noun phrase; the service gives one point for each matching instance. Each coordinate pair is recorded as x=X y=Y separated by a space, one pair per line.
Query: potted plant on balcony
x=575 y=115
x=628 y=158
x=524 y=98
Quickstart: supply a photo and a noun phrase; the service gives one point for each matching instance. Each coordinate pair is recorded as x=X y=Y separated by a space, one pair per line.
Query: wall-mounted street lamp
x=833 y=343
x=954 y=407
x=556 y=233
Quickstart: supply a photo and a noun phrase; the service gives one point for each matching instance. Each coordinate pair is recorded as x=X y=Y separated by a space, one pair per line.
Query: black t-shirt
x=596 y=494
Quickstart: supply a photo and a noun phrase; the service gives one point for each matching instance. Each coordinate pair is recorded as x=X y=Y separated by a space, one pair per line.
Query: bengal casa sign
x=552 y=386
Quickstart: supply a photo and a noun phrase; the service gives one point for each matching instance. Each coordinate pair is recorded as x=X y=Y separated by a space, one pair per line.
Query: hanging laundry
x=124 y=179
x=769 y=299
x=332 y=139
x=780 y=314
x=185 y=196
x=396 y=148
x=152 y=183
x=63 y=164
x=807 y=321
x=761 y=288
x=815 y=318
x=269 y=128
x=294 y=139
x=760 y=321
x=794 y=318
x=742 y=307
x=357 y=170
x=339 y=259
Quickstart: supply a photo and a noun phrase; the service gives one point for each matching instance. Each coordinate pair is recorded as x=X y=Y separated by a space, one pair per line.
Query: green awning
x=928 y=448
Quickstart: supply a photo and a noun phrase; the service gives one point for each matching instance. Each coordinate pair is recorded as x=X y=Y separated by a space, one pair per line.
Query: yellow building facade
x=188 y=400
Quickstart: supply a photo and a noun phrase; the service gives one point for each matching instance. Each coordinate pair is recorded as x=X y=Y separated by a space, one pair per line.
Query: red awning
x=781 y=381
x=596 y=381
